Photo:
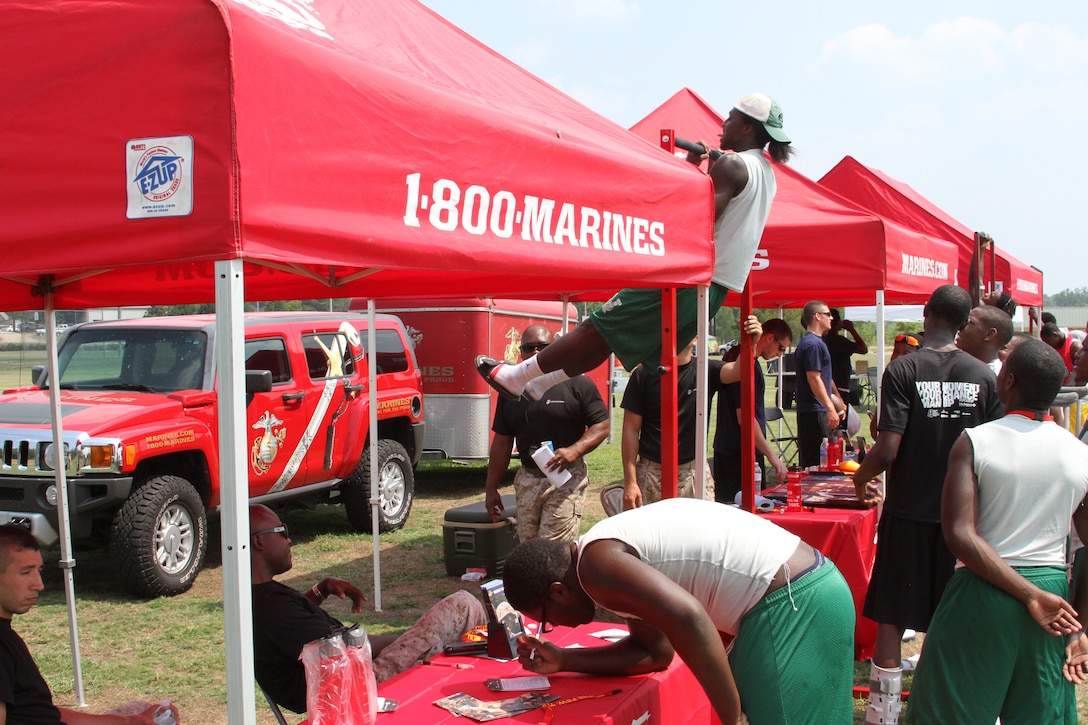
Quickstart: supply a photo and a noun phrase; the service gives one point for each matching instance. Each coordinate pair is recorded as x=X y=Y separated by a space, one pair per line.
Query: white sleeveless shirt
x=1032 y=475
x=738 y=231
x=724 y=557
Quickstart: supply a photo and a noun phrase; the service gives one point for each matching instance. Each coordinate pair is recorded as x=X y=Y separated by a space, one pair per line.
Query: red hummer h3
x=138 y=402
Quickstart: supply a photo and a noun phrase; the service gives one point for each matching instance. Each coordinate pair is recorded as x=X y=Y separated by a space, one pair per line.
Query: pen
x=458 y=665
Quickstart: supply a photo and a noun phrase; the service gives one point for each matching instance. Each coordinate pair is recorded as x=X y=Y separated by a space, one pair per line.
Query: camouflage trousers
x=440 y=625
x=648 y=476
x=547 y=512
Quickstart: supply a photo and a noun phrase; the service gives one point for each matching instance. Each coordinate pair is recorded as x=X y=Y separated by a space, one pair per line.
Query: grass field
x=173 y=648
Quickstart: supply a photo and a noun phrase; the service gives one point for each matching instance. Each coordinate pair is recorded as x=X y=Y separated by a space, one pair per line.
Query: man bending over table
x=684 y=573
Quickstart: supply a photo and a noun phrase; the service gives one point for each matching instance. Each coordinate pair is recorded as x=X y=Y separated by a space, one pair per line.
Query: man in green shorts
x=687 y=574
x=629 y=324
x=1004 y=641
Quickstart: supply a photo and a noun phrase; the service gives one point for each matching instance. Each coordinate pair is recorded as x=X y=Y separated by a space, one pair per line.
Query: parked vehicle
x=140 y=433
x=447 y=336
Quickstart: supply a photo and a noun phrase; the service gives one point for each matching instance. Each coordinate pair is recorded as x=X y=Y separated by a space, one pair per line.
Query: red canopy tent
x=872 y=189
x=1023 y=281
x=166 y=151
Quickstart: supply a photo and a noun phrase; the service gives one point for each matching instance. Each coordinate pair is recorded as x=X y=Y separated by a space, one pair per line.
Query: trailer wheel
x=396 y=488
x=159 y=537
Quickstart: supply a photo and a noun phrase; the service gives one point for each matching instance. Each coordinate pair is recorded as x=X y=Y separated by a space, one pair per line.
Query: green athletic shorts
x=985 y=657
x=795 y=666
x=630 y=322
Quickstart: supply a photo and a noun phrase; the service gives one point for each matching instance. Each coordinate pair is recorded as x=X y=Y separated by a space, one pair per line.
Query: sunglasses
x=544 y=626
x=909 y=339
x=781 y=347
x=281 y=529
x=533 y=346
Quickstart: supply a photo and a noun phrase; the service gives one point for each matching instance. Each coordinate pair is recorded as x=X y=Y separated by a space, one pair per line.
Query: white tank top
x=722 y=556
x=738 y=231
x=1031 y=477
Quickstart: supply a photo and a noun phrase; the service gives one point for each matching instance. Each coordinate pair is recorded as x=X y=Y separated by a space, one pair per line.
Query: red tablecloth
x=848 y=538
x=670 y=696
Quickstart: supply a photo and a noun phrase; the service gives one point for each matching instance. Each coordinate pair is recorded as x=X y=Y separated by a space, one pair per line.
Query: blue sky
x=978 y=106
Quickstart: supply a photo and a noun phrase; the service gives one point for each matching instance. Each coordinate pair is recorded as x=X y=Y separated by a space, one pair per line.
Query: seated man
x=683 y=572
x=24 y=694
x=285 y=620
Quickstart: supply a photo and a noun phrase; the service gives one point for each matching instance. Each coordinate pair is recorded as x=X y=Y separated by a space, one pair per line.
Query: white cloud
x=874 y=45
x=607 y=11
x=962 y=49
x=1051 y=48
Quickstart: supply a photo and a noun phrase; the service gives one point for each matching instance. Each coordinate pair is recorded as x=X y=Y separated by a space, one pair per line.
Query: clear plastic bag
x=340 y=684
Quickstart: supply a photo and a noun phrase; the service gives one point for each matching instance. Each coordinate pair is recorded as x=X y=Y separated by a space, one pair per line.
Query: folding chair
x=785 y=443
x=612 y=499
x=276 y=712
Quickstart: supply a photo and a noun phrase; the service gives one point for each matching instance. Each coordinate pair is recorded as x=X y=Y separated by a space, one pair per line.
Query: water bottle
x=793 y=492
x=823 y=455
x=164 y=715
x=542 y=455
x=759 y=478
x=834 y=453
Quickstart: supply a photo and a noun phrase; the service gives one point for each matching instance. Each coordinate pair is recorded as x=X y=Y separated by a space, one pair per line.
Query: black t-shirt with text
x=930 y=398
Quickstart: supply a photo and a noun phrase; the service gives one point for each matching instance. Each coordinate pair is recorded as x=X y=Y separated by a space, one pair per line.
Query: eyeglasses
x=533 y=346
x=281 y=529
x=909 y=339
x=544 y=626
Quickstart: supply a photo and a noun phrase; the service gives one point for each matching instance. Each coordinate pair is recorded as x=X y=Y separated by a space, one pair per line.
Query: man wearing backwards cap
x=629 y=324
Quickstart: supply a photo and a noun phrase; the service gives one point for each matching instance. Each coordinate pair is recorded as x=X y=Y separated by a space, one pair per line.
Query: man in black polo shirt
x=641 y=445
x=574 y=418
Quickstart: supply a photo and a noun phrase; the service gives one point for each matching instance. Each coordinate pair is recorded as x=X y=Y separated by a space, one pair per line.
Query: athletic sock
x=536 y=388
x=885 y=688
x=515 y=376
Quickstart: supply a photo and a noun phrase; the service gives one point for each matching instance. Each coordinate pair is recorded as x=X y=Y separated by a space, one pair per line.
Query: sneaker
x=910 y=663
x=909 y=635
x=487 y=367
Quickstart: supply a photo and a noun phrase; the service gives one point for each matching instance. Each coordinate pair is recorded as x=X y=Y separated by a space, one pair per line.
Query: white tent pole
x=375 y=498
x=611 y=401
x=702 y=371
x=880 y=337
x=234 y=491
x=60 y=463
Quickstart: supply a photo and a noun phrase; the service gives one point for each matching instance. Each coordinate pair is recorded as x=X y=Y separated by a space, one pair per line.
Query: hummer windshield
x=149 y=360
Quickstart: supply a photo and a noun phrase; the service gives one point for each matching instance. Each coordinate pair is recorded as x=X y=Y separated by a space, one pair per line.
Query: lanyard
x=549 y=708
x=1031 y=415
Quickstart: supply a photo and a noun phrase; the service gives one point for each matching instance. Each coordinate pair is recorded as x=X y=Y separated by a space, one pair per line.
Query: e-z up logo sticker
x=159 y=176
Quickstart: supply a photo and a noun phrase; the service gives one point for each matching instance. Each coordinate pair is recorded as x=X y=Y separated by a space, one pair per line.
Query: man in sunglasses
x=772 y=343
x=285 y=620
x=905 y=344
x=817 y=415
x=573 y=417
